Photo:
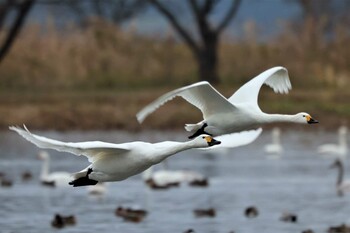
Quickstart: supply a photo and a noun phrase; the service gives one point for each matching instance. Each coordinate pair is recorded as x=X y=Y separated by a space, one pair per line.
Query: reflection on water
x=299 y=182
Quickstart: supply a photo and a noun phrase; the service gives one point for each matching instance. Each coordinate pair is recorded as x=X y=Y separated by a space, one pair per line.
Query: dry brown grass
x=99 y=77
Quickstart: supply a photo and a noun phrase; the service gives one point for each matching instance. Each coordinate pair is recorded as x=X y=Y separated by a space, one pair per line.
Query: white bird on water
x=55 y=179
x=167 y=178
x=274 y=148
x=238 y=113
x=115 y=162
x=339 y=150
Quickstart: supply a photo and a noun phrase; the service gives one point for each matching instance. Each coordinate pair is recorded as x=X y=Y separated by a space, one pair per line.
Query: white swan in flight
x=341 y=149
x=115 y=162
x=238 y=113
x=54 y=179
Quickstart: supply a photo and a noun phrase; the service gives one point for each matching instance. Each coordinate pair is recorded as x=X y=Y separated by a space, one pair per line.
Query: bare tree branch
x=4 y=10
x=23 y=10
x=201 y=19
x=229 y=16
x=169 y=15
x=208 y=6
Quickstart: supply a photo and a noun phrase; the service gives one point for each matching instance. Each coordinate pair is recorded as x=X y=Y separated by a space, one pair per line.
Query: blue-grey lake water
x=300 y=182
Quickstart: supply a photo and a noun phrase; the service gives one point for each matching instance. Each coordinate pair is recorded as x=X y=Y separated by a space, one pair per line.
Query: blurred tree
x=114 y=11
x=21 y=9
x=205 y=49
x=323 y=14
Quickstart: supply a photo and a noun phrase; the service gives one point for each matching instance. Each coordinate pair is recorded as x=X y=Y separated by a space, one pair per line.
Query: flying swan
x=115 y=162
x=238 y=113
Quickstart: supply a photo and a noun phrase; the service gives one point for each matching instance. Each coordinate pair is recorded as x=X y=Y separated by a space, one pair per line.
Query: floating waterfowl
x=199 y=182
x=211 y=212
x=289 y=217
x=54 y=179
x=26 y=176
x=5 y=182
x=189 y=231
x=251 y=212
x=165 y=178
x=343 y=228
x=238 y=113
x=308 y=231
x=115 y=162
x=130 y=214
x=339 y=150
x=341 y=185
x=60 y=221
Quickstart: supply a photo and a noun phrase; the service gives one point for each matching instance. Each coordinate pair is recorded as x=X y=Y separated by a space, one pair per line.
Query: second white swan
x=239 y=112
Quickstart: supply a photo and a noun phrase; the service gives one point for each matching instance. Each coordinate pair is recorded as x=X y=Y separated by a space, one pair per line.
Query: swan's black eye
x=203 y=137
x=303 y=115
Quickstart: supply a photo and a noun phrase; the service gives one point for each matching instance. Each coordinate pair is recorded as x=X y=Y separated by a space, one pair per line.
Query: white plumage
x=58 y=178
x=275 y=147
x=339 y=150
x=230 y=115
x=115 y=162
x=165 y=177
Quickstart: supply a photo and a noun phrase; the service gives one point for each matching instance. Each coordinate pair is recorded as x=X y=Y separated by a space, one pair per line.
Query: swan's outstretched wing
x=92 y=150
x=277 y=78
x=236 y=139
x=201 y=94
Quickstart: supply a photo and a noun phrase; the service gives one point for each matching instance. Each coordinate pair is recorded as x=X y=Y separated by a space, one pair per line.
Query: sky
x=266 y=13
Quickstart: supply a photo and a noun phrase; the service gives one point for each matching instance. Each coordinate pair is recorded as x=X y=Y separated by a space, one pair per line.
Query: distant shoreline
x=116 y=110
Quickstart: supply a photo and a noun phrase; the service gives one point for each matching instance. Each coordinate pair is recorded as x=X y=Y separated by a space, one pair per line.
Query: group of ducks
x=226 y=119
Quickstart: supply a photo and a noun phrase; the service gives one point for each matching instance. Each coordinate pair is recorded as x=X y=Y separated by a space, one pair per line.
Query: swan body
x=168 y=178
x=56 y=179
x=275 y=147
x=341 y=185
x=115 y=162
x=339 y=149
x=229 y=115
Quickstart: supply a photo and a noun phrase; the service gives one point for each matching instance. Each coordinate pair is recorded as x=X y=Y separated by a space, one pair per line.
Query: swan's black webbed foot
x=199 y=132
x=84 y=181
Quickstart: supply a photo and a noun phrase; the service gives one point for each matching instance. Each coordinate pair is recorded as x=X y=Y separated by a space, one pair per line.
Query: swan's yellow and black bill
x=211 y=141
x=310 y=120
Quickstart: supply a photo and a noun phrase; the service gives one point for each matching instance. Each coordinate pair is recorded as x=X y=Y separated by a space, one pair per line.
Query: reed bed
x=99 y=76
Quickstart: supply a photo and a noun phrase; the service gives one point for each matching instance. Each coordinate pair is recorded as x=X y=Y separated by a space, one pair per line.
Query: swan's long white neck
x=276 y=136
x=167 y=149
x=45 y=167
x=273 y=118
x=342 y=139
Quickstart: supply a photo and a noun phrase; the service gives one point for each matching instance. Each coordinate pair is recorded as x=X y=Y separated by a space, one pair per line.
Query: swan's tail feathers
x=192 y=127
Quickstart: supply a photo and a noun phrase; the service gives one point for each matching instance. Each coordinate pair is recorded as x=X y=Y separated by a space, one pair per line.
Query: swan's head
x=43 y=155
x=305 y=118
x=205 y=140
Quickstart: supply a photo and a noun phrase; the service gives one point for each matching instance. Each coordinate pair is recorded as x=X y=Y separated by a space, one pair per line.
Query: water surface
x=300 y=182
